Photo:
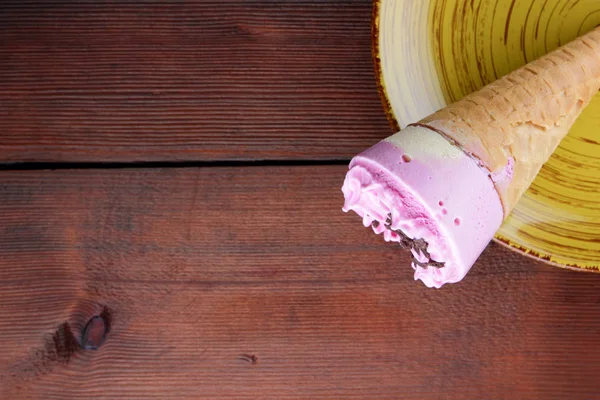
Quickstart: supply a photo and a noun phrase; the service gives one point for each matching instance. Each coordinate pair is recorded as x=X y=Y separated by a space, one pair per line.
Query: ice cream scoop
x=442 y=186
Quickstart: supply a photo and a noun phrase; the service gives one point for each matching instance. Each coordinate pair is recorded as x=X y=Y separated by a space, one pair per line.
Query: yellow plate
x=429 y=53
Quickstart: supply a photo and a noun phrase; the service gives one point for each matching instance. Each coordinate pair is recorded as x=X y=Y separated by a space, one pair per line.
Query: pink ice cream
x=423 y=192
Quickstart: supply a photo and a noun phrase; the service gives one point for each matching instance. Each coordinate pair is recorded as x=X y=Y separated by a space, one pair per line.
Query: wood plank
x=250 y=283
x=210 y=80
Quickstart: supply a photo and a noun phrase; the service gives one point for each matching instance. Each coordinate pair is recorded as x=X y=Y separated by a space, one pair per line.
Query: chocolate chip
x=436 y=264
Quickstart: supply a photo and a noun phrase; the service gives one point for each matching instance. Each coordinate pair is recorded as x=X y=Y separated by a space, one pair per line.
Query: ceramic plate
x=429 y=53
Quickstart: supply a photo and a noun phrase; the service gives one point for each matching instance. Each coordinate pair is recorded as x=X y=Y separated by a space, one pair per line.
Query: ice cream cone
x=428 y=186
x=512 y=126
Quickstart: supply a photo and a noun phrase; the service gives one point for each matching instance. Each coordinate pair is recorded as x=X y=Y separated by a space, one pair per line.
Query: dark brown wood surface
x=251 y=283
x=243 y=282
x=169 y=80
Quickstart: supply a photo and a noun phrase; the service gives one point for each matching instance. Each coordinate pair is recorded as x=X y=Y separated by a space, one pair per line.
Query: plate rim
x=387 y=108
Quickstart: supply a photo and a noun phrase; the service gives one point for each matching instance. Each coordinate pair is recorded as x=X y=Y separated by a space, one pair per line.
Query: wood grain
x=205 y=80
x=250 y=283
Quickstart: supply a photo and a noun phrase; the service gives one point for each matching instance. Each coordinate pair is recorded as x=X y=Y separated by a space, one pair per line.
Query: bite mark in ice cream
x=417 y=247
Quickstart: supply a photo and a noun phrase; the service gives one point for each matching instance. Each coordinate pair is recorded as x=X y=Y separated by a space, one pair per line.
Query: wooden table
x=174 y=169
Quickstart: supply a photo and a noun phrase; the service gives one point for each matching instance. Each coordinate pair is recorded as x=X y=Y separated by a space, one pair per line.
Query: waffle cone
x=518 y=121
